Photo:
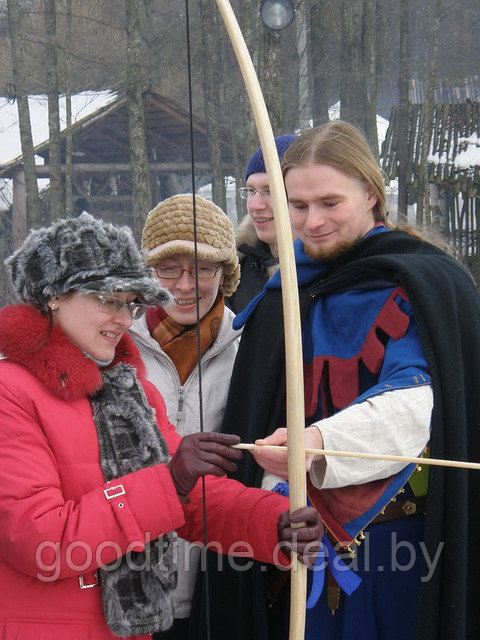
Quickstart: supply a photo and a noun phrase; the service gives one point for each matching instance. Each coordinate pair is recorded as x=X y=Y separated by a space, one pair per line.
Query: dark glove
x=306 y=541
x=201 y=454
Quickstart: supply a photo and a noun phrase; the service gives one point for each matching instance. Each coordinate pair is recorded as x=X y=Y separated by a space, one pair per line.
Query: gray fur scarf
x=136 y=592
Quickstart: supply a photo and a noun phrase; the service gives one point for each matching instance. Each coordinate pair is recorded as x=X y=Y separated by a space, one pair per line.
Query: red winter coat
x=56 y=523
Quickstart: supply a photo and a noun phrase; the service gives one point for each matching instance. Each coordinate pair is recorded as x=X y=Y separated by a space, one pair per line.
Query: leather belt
x=402 y=509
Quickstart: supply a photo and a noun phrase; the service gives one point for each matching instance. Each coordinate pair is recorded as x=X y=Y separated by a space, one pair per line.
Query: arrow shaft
x=458 y=464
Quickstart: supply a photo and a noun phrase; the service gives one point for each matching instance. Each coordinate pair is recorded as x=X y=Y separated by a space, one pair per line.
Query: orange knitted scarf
x=179 y=342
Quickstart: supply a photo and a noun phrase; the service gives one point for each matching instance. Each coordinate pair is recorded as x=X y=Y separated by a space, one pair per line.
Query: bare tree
x=55 y=158
x=351 y=89
x=150 y=35
x=432 y=27
x=318 y=41
x=20 y=79
x=6 y=248
x=359 y=66
x=369 y=123
x=403 y=87
x=271 y=77
x=142 y=191
x=69 y=42
x=212 y=74
x=232 y=95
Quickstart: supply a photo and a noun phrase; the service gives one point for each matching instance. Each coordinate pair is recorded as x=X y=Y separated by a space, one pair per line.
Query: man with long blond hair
x=391 y=343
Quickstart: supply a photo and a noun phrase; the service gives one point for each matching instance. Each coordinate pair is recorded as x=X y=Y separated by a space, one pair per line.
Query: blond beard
x=333 y=252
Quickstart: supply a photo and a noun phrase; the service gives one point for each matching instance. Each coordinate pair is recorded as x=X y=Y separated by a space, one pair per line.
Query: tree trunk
x=19 y=218
x=54 y=152
x=296 y=73
x=432 y=18
x=271 y=78
x=249 y=24
x=6 y=248
x=403 y=123
x=231 y=97
x=68 y=100
x=318 y=42
x=150 y=37
x=370 y=74
x=351 y=91
x=297 y=80
x=20 y=80
x=142 y=191
x=212 y=41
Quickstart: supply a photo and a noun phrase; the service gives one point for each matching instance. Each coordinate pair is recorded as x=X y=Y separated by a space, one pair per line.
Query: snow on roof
x=83 y=104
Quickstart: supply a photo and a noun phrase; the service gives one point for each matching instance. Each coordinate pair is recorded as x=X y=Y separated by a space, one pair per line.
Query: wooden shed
x=101 y=156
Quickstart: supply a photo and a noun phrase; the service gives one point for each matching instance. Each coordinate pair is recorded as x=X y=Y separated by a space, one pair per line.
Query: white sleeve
x=396 y=422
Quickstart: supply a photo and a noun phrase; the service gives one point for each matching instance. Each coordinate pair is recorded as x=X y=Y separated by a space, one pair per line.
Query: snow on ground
x=468 y=157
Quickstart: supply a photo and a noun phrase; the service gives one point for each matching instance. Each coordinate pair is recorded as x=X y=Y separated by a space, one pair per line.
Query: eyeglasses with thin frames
x=207 y=272
x=247 y=193
x=112 y=305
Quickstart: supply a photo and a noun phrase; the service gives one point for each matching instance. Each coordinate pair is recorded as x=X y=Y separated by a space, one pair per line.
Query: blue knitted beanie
x=257 y=163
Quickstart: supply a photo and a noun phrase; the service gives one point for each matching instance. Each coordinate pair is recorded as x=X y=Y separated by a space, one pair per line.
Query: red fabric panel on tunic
x=343 y=374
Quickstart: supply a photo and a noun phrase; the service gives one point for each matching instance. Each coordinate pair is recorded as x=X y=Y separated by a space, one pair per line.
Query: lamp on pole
x=277 y=14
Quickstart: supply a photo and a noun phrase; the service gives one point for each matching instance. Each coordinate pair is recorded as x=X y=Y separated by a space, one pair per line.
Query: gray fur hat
x=84 y=254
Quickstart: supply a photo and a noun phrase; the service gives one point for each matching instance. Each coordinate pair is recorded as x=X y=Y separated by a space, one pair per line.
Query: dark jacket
x=257 y=265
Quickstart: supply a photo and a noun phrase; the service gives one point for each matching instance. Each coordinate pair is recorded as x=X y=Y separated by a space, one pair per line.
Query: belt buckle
x=88 y=586
x=114 y=492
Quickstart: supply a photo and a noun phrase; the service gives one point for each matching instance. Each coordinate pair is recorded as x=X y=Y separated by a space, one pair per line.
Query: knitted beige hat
x=169 y=230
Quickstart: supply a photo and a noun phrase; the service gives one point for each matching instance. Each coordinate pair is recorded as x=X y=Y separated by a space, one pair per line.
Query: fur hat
x=169 y=230
x=84 y=254
x=257 y=163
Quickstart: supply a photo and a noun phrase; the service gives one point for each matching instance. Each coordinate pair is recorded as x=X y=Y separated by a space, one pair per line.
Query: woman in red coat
x=94 y=481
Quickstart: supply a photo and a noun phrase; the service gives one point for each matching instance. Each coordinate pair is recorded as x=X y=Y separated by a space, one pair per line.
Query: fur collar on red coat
x=52 y=357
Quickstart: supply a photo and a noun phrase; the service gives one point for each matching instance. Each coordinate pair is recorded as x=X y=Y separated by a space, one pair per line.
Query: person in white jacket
x=168 y=341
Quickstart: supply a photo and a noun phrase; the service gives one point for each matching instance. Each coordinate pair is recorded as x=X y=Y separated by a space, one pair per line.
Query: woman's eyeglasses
x=207 y=272
x=112 y=306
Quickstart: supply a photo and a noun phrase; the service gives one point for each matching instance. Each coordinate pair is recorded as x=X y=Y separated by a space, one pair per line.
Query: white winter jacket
x=183 y=410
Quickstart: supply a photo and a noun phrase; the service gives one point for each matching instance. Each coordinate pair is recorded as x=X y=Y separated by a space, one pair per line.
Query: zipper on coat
x=181 y=397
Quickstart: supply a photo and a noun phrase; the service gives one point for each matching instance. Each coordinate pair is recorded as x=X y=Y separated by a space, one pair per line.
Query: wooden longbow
x=291 y=310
